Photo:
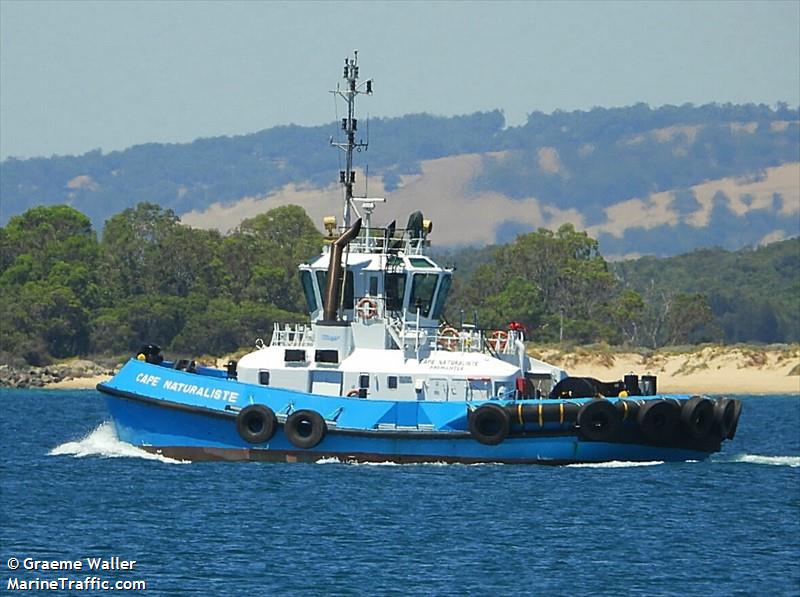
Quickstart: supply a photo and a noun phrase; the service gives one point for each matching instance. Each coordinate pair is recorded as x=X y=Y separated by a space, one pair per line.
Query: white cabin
x=381 y=336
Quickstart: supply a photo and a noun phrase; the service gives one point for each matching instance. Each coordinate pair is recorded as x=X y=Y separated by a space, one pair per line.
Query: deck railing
x=292 y=334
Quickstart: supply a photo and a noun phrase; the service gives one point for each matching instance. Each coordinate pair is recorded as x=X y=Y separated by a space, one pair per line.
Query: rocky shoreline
x=40 y=377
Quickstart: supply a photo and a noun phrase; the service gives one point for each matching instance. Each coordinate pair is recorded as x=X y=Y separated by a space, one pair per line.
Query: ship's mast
x=347 y=177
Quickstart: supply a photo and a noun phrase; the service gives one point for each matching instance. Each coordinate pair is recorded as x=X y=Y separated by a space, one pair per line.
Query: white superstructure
x=375 y=302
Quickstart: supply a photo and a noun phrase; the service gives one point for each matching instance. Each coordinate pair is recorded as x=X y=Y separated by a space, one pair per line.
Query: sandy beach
x=78 y=383
x=707 y=370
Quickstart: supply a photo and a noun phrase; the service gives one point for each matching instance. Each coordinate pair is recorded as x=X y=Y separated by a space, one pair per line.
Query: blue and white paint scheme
x=376 y=376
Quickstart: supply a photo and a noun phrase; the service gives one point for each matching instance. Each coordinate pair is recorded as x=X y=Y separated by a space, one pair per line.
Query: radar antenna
x=347 y=177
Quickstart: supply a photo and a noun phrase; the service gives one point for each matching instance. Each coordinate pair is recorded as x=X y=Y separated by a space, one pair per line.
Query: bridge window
x=308 y=291
x=395 y=290
x=322 y=278
x=420 y=262
x=422 y=289
x=441 y=296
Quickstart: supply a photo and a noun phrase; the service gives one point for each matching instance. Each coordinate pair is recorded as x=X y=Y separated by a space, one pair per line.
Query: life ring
x=448 y=339
x=305 y=428
x=256 y=423
x=697 y=416
x=489 y=424
x=498 y=340
x=658 y=419
x=599 y=421
x=352 y=393
x=367 y=308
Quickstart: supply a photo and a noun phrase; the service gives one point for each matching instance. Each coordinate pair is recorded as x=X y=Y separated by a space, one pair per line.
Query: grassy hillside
x=640 y=180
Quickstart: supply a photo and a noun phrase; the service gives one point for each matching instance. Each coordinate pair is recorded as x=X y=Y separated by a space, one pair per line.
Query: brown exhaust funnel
x=333 y=288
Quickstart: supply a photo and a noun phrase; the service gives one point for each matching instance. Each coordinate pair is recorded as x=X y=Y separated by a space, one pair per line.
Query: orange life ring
x=448 y=339
x=367 y=308
x=498 y=340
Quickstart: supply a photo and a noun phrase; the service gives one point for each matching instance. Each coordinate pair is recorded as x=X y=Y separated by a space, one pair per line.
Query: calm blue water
x=731 y=526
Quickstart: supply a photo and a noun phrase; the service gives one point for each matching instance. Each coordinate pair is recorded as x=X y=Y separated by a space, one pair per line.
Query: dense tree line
x=753 y=293
x=147 y=278
x=558 y=285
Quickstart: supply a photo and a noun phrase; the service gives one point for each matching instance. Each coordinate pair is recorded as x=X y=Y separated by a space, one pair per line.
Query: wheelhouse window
x=322 y=279
x=422 y=288
x=263 y=378
x=420 y=262
x=395 y=285
x=308 y=290
x=441 y=296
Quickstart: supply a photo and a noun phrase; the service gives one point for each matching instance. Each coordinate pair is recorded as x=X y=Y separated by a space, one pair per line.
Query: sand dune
x=709 y=370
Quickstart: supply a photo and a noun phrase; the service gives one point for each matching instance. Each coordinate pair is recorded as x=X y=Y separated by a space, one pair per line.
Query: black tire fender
x=737 y=411
x=628 y=409
x=256 y=423
x=599 y=421
x=658 y=420
x=489 y=424
x=305 y=428
x=724 y=417
x=697 y=416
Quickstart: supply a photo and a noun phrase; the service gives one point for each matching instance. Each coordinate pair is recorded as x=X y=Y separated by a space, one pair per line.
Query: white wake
x=103 y=442
x=335 y=460
x=791 y=461
x=615 y=464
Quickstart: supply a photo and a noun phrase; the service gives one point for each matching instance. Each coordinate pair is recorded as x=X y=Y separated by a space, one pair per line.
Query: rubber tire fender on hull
x=489 y=424
x=697 y=416
x=305 y=428
x=658 y=420
x=256 y=423
x=736 y=414
x=599 y=421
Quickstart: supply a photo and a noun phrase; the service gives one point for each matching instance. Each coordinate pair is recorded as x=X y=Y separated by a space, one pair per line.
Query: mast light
x=329 y=222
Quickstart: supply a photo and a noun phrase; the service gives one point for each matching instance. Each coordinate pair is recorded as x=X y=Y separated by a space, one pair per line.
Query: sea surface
x=70 y=491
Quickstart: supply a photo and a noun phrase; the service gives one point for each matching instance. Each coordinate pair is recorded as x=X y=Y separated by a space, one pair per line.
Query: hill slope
x=643 y=181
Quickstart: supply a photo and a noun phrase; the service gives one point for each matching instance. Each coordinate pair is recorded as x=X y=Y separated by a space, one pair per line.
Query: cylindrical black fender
x=574 y=387
x=658 y=420
x=305 y=428
x=628 y=409
x=571 y=410
x=697 y=416
x=489 y=424
x=256 y=423
x=538 y=413
x=724 y=416
x=737 y=412
x=599 y=421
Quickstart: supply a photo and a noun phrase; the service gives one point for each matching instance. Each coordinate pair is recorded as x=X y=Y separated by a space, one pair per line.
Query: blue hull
x=191 y=416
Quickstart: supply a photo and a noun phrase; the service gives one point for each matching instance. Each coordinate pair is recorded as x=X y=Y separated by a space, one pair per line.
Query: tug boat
x=376 y=376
